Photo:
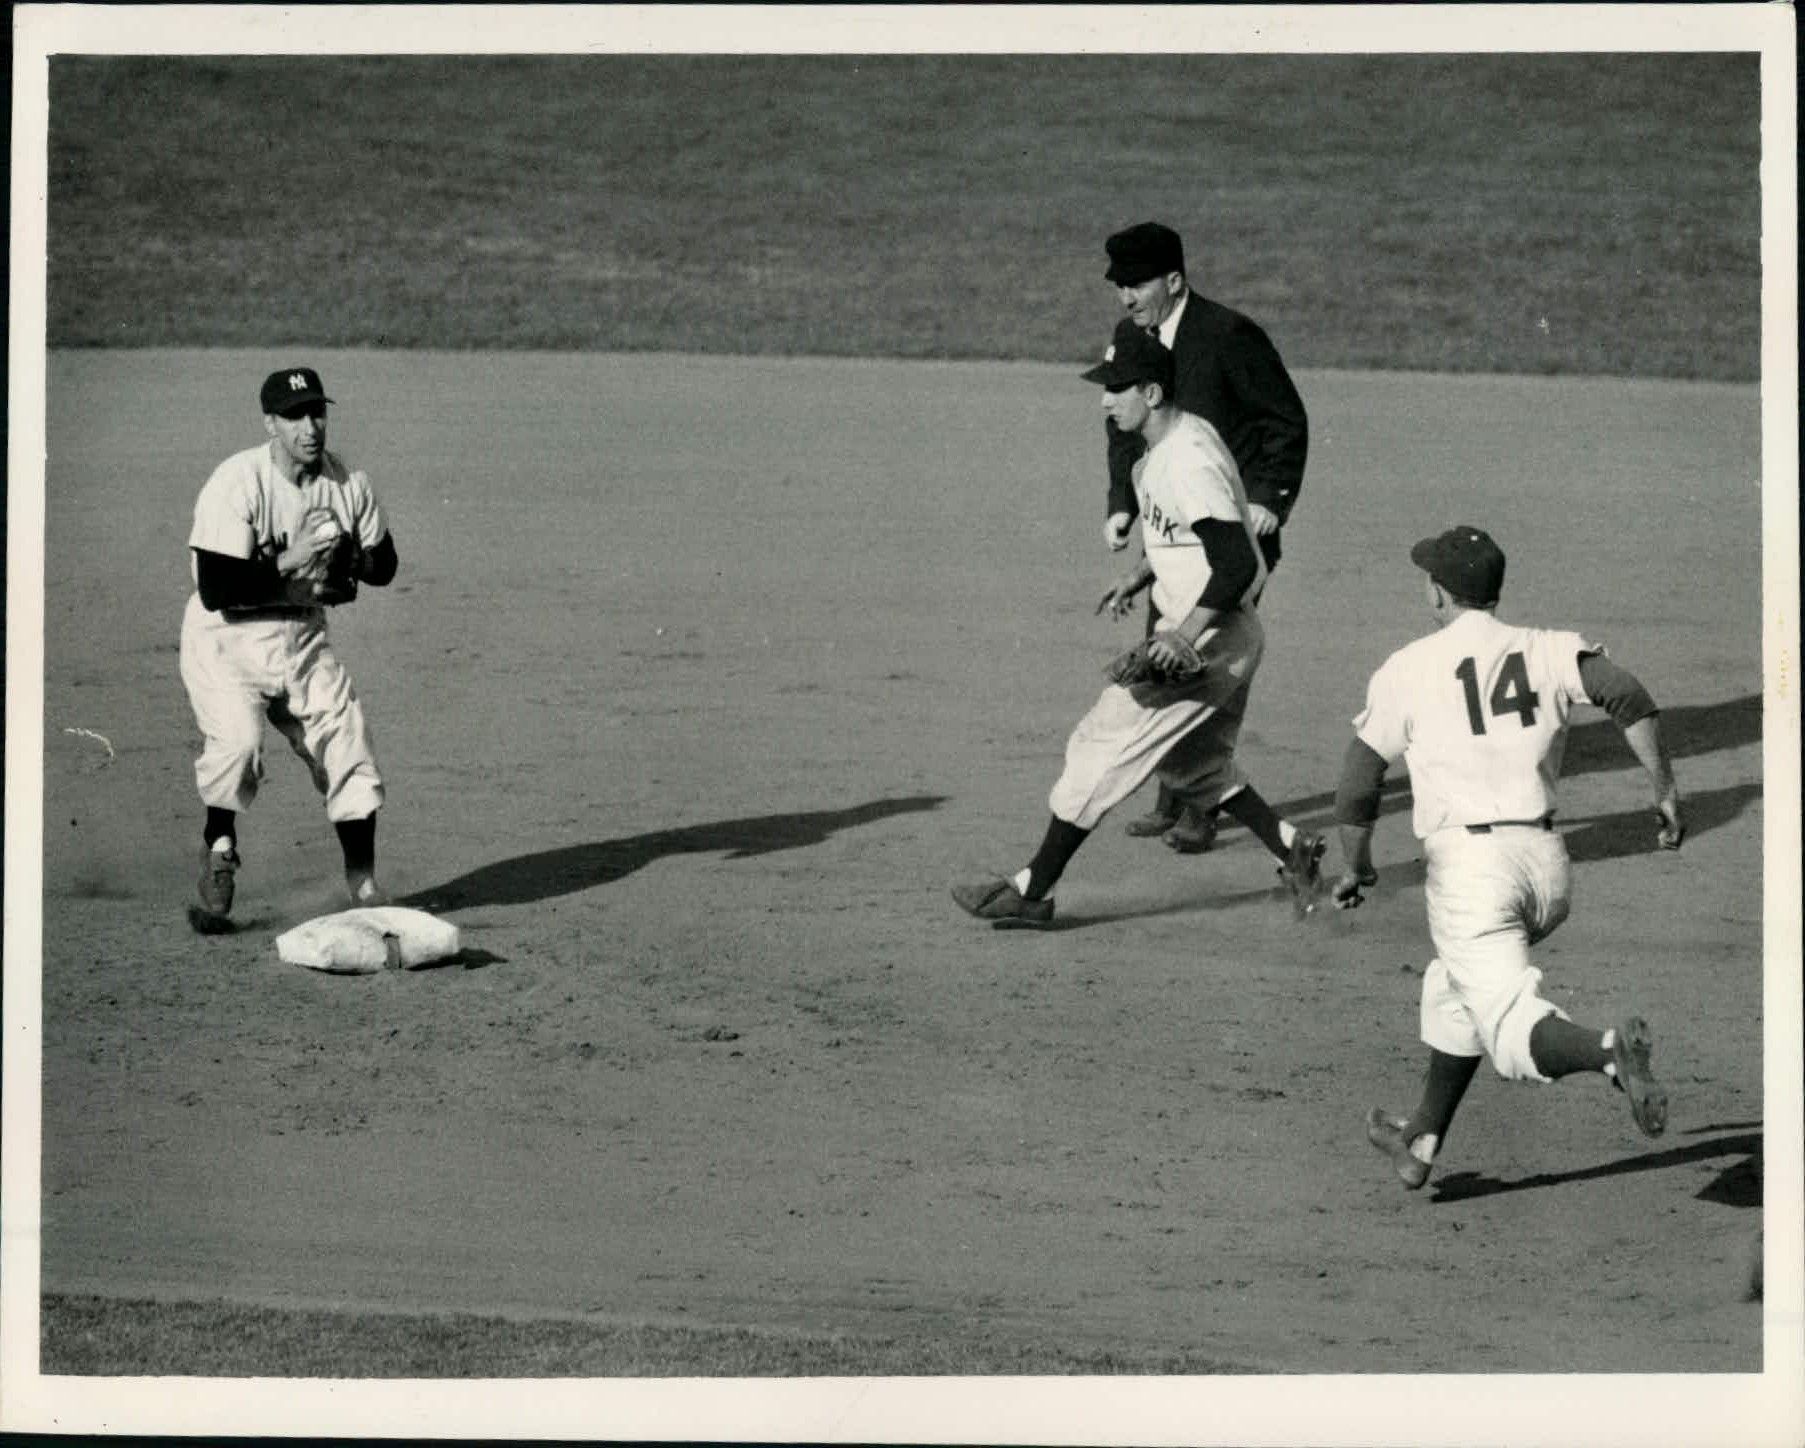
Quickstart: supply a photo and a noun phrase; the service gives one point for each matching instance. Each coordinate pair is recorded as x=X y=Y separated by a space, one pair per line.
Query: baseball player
x=1226 y=371
x=1479 y=711
x=282 y=531
x=1205 y=569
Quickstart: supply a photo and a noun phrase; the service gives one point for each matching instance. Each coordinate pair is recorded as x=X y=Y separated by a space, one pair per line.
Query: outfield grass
x=1524 y=214
x=108 y=1337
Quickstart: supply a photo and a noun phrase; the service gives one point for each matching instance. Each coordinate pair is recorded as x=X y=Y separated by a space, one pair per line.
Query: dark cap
x=1464 y=561
x=291 y=388
x=1133 y=356
x=1143 y=252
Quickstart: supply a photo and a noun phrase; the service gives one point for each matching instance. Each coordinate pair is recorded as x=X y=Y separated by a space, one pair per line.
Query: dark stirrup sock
x=1247 y=806
x=221 y=824
x=1560 y=1048
x=357 y=838
x=1444 y=1085
x=1056 y=850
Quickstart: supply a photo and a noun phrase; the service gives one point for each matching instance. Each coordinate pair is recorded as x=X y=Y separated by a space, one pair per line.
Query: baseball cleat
x=1147 y=826
x=998 y=901
x=1194 y=834
x=1386 y=1132
x=217 y=884
x=1302 y=870
x=365 y=891
x=1648 y=1098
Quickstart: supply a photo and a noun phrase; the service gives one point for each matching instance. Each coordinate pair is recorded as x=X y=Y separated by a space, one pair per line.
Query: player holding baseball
x=1479 y=712
x=1204 y=566
x=282 y=531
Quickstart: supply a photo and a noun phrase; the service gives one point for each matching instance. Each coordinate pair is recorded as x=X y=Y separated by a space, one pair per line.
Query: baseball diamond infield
x=702 y=680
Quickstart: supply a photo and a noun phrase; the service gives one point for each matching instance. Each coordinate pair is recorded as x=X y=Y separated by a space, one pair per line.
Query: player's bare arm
x=1356 y=812
x=1621 y=695
x=1119 y=599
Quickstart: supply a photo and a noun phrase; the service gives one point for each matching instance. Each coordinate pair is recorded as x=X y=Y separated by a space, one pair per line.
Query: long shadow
x=547 y=874
x=1738 y=1185
x=1632 y=832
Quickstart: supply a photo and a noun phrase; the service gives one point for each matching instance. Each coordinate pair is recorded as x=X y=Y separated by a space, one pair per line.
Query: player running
x=1205 y=568
x=1479 y=712
x=281 y=531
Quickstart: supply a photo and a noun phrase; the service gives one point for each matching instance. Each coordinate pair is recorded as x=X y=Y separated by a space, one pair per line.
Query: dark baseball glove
x=1138 y=665
x=338 y=583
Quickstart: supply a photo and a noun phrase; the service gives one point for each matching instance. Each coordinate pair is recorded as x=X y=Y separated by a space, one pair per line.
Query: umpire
x=1228 y=373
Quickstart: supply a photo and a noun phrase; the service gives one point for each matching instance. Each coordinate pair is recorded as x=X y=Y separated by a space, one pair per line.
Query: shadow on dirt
x=1738 y=1185
x=550 y=873
x=1632 y=832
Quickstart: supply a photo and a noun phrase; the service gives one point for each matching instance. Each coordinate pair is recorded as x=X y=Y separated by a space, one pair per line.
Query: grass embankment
x=105 y=1337
x=1524 y=214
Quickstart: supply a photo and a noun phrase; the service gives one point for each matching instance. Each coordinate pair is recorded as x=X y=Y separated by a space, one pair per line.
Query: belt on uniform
x=1546 y=822
x=281 y=612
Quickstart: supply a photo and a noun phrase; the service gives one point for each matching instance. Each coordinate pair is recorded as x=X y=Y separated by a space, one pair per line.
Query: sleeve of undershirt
x=1362 y=777
x=1233 y=564
x=1615 y=690
x=226 y=582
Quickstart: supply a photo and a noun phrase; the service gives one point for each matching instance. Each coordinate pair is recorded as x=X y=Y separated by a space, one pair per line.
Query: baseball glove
x=1138 y=666
x=337 y=582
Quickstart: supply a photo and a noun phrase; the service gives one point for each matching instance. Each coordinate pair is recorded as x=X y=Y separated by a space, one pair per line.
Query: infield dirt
x=701 y=682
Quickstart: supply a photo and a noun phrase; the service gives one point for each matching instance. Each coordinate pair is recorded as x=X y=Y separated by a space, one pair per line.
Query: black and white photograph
x=960 y=724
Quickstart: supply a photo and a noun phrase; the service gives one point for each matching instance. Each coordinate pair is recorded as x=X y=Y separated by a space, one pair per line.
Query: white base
x=369 y=939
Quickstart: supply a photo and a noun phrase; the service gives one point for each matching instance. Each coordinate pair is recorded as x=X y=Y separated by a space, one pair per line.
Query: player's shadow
x=547 y=874
x=1632 y=832
x=1738 y=1185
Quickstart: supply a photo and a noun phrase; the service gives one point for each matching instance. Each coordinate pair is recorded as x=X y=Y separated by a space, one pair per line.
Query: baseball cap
x=290 y=388
x=1465 y=561
x=1142 y=252
x=1133 y=356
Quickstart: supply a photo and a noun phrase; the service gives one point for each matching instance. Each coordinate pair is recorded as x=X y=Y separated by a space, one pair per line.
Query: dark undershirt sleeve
x=1233 y=563
x=1617 y=691
x=226 y=582
x=1362 y=775
x=381 y=562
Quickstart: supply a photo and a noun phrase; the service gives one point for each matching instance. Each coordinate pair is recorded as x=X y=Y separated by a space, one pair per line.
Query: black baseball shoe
x=998 y=901
x=1629 y=1053
x=1193 y=834
x=1386 y=1132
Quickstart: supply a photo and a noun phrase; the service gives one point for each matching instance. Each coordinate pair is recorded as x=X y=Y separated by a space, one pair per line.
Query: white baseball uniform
x=242 y=666
x=1479 y=711
x=1186 y=731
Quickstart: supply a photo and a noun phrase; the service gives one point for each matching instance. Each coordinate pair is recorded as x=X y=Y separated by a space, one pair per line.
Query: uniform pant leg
x=1131 y=732
x=1487 y=897
x=228 y=671
x=335 y=735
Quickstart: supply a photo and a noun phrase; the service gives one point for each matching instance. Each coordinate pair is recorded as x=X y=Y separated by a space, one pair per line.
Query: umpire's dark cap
x=291 y=389
x=1143 y=252
x=1133 y=356
x=1464 y=561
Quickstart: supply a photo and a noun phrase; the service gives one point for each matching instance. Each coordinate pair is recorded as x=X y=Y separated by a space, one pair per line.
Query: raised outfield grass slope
x=1481 y=213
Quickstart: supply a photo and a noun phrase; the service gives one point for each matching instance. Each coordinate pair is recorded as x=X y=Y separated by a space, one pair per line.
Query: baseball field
x=713 y=663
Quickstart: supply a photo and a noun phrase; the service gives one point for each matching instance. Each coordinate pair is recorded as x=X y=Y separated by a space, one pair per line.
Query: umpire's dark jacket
x=1227 y=371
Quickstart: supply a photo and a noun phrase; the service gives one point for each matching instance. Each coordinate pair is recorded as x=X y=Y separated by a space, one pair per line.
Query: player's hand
x=1264 y=520
x=315 y=538
x=1345 y=892
x=1170 y=655
x=1115 y=531
x=1670 y=828
x=1119 y=600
